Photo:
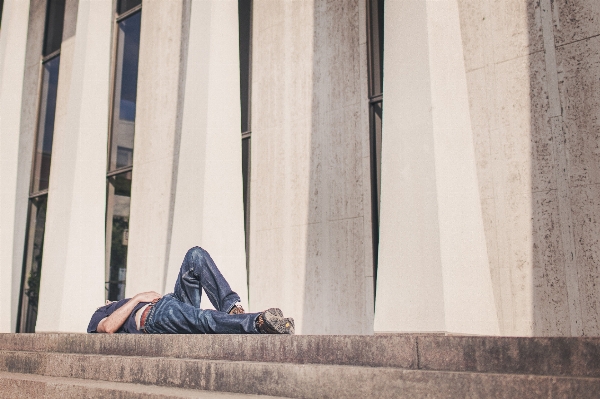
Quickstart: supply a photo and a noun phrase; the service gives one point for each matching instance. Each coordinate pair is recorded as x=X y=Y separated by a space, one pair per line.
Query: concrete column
x=208 y=206
x=433 y=265
x=73 y=264
x=160 y=99
x=15 y=159
x=310 y=242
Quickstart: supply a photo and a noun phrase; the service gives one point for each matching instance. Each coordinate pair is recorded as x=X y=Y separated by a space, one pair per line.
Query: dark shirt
x=129 y=327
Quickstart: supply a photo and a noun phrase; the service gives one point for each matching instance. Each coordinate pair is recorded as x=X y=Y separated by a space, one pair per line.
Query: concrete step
x=27 y=386
x=384 y=366
x=537 y=356
x=295 y=380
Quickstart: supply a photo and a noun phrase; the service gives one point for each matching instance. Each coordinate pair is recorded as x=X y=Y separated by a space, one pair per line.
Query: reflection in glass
x=55 y=16
x=245 y=33
x=377 y=116
x=376 y=47
x=246 y=191
x=126 y=5
x=117 y=232
x=30 y=285
x=45 y=132
x=375 y=56
x=125 y=94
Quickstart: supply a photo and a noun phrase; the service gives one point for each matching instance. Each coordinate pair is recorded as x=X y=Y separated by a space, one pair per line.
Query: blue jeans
x=180 y=313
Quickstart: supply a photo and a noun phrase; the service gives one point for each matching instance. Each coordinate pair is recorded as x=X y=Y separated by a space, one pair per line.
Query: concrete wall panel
x=15 y=155
x=308 y=214
x=575 y=20
x=208 y=204
x=157 y=137
x=538 y=109
x=73 y=264
x=579 y=69
x=436 y=248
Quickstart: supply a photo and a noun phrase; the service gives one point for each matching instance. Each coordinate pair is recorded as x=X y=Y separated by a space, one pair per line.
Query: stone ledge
x=516 y=355
x=27 y=386
x=295 y=380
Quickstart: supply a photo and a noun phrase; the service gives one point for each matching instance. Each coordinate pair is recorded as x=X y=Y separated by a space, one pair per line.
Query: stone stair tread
x=297 y=380
x=17 y=385
x=540 y=356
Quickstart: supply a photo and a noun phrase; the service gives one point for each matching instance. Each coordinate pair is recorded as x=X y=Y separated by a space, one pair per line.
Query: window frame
x=35 y=196
x=246 y=134
x=375 y=99
x=110 y=174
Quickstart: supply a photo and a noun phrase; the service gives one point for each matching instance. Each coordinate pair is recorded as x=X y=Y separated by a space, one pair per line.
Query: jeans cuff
x=233 y=306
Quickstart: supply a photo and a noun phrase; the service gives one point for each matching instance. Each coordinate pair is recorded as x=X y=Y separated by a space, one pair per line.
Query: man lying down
x=180 y=313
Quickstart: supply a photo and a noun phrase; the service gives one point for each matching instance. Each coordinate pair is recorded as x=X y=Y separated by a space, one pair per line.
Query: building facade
x=365 y=165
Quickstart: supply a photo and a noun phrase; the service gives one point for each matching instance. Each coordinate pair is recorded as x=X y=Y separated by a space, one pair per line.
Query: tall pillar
x=160 y=99
x=73 y=264
x=310 y=239
x=433 y=270
x=16 y=145
x=208 y=206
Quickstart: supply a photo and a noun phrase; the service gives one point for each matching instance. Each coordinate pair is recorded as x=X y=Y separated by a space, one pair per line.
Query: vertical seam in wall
x=418 y=354
x=562 y=177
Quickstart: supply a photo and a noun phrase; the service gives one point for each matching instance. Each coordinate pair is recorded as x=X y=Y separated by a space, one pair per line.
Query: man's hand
x=147 y=296
x=113 y=322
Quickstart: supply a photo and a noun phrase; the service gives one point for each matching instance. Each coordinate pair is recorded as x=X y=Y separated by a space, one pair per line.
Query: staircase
x=239 y=366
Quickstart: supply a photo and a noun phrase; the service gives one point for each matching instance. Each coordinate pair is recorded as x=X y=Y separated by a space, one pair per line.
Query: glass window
x=375 y=57
x=32 y=265
x=376 y=119
x=125 y=92
x=45 y=131
x=246 y=191
x=120 y=164
x=126 y=5
x=376 y=47
x=55 y=15
x=245 y=40
x=40 y=175
x=245 y=32
x=117 y=231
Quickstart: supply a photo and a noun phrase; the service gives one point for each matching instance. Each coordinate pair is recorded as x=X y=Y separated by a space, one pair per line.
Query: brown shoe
x=271 y=321
x=237 y=309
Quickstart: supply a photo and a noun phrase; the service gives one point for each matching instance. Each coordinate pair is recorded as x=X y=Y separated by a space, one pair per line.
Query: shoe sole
x=275 y=320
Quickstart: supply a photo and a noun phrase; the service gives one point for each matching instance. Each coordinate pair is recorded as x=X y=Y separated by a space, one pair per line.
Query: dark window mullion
x=245 y=54
x=55 y=16
x=375 y=71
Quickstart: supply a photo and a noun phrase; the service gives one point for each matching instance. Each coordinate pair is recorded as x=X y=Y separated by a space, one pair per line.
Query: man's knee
x=196 y=253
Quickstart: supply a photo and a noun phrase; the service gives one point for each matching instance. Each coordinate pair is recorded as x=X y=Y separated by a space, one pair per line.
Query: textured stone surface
x=18 y=98
x=382 y=351
x=388 y=365
x=547 y=356
x=16 y=386
x=578 y=83
x=433 y=272
x=291 y=380
x=75 y=226
x=575 y=20
x=163 y=33
x=532 y=72
x=542 y=356
x=308 y=181
x=207 y=208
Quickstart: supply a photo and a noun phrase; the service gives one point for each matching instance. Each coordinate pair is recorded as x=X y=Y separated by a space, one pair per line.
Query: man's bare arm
x=113 y=322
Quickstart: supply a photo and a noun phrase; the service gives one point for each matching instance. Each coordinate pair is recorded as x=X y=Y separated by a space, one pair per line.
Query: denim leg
x=171 y=316
x=198 y=271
